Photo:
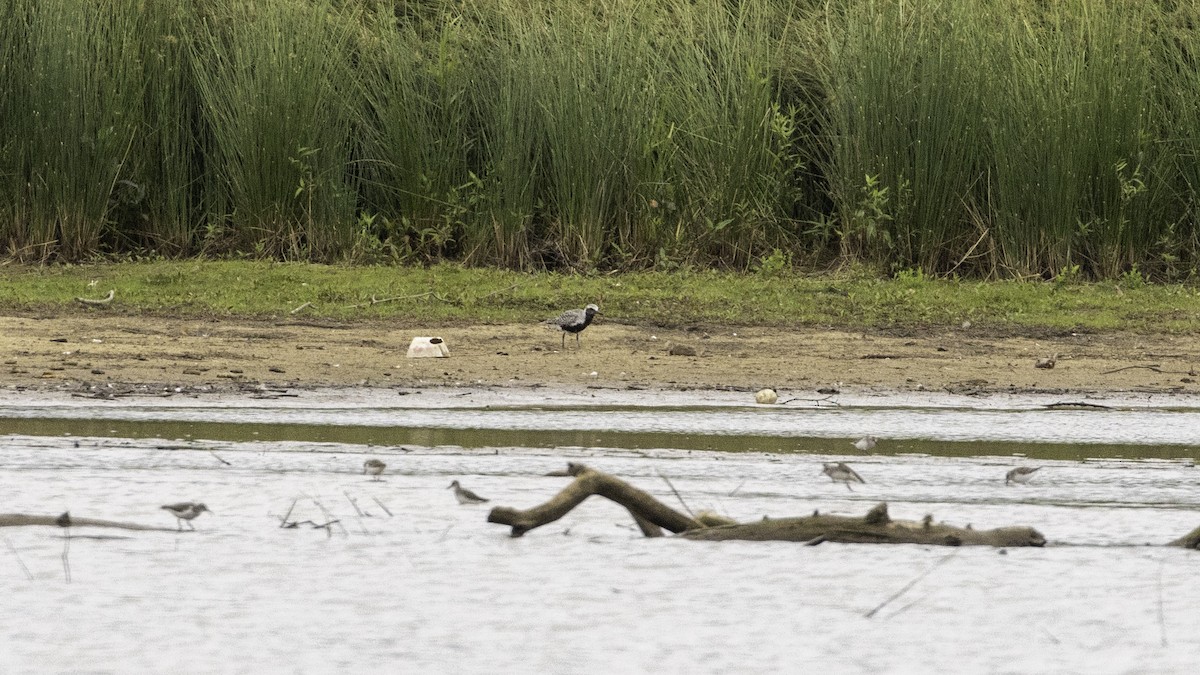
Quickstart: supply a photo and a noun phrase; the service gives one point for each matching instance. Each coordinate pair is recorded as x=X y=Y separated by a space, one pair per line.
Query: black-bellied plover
x=465 y=496
x=1020 y=475
x=573 y=321
x=842 y=473
x=374 y=467
x=186 y=511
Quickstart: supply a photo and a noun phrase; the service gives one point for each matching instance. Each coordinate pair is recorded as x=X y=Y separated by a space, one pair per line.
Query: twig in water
x=385 y=509
x=818 y=401
x=219 y=458
x=677 y=495
x=354 y=503
x=1162 y=619
x=910 y=584
x=329 y=519
x=66 y=555
x=735 y=490
x=283 y=522
x=20 y=562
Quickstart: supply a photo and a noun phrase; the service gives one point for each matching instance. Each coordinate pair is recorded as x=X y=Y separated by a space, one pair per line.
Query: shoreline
x=93 y=354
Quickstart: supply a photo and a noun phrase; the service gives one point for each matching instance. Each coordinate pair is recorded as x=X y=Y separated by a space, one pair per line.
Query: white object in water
x=766 y=396
x=428 y=347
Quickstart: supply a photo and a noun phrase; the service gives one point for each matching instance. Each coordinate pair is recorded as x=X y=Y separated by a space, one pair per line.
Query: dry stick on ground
x=300 y=307
x=375 y=301
x=102 y=301
x=1154 y=367
x=219 y=458
x=875 y=527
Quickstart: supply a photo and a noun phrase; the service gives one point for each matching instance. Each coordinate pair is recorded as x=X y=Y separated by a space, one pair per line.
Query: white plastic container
x=428 y=348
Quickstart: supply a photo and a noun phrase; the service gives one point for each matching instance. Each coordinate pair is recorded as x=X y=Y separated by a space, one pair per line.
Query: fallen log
x=1190 y=540
x=875 y=528
x=24 y=520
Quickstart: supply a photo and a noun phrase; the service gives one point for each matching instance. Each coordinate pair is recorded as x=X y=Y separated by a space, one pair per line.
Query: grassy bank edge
x=454 y=294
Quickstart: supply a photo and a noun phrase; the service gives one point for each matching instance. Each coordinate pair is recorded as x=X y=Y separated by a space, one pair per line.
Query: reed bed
x=978 y=138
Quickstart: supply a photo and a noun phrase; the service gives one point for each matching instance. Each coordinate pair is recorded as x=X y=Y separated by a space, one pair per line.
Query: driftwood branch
x=646 y=510
x=101 y=301
x=24 y=520
x=875 y=528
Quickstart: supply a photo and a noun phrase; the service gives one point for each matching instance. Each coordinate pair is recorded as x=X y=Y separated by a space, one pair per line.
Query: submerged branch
x=25 y=520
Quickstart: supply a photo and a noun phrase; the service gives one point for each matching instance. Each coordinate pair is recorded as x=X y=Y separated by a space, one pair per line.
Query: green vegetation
x=972 y=138
x=464 y=294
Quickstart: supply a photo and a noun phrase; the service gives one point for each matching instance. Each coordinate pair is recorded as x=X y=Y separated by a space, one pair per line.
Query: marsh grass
x=75 y=120
x=273 y=80
x=983 y=138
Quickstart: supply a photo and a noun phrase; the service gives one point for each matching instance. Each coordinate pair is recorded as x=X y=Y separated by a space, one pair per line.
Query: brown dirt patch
x=96 y=352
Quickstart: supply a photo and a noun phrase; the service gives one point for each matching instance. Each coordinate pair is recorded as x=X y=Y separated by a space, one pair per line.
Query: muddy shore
x=94 y=353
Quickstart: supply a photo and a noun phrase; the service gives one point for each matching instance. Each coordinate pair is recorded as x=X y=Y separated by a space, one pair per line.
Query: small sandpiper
x=465 y=496
x=840 y=472
x=866 y=443
x=186 y=511
x=574 y=321
x=1020 y=475
x=374 y=467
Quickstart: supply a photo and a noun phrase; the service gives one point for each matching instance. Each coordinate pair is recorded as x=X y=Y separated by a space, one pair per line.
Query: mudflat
x=100 y=353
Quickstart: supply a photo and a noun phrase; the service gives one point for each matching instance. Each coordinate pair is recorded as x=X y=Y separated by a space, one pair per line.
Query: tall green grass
x=993 y=138
x=274 y=83
x=72 y=122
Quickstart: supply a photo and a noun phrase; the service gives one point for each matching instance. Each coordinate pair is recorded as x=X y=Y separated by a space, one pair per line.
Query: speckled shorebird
x=1020 y=475
x=574 y=321
x=465 y=496
x=374 y=467
x=866 y=443
x=840 y=472
x=186 y=511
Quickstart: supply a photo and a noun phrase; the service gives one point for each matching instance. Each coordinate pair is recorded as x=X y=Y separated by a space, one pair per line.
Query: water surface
x=434 y=588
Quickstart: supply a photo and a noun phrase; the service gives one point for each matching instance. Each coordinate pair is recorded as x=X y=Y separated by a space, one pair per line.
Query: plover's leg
x=190 y=526
x=848 y=486
x=179 y=523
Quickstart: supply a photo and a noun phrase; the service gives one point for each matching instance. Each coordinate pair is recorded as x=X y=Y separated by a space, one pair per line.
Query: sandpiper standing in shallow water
x=866 y=443
x=574 y=321
x=186 y=511
x=465 y=496
x=842 y=473
x=1020 y=475
x=374 y=467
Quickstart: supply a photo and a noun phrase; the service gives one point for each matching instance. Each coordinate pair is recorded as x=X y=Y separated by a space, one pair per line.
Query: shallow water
x=434 y=587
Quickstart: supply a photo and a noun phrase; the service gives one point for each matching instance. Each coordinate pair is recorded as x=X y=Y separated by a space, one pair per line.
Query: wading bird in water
x=842 y=473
